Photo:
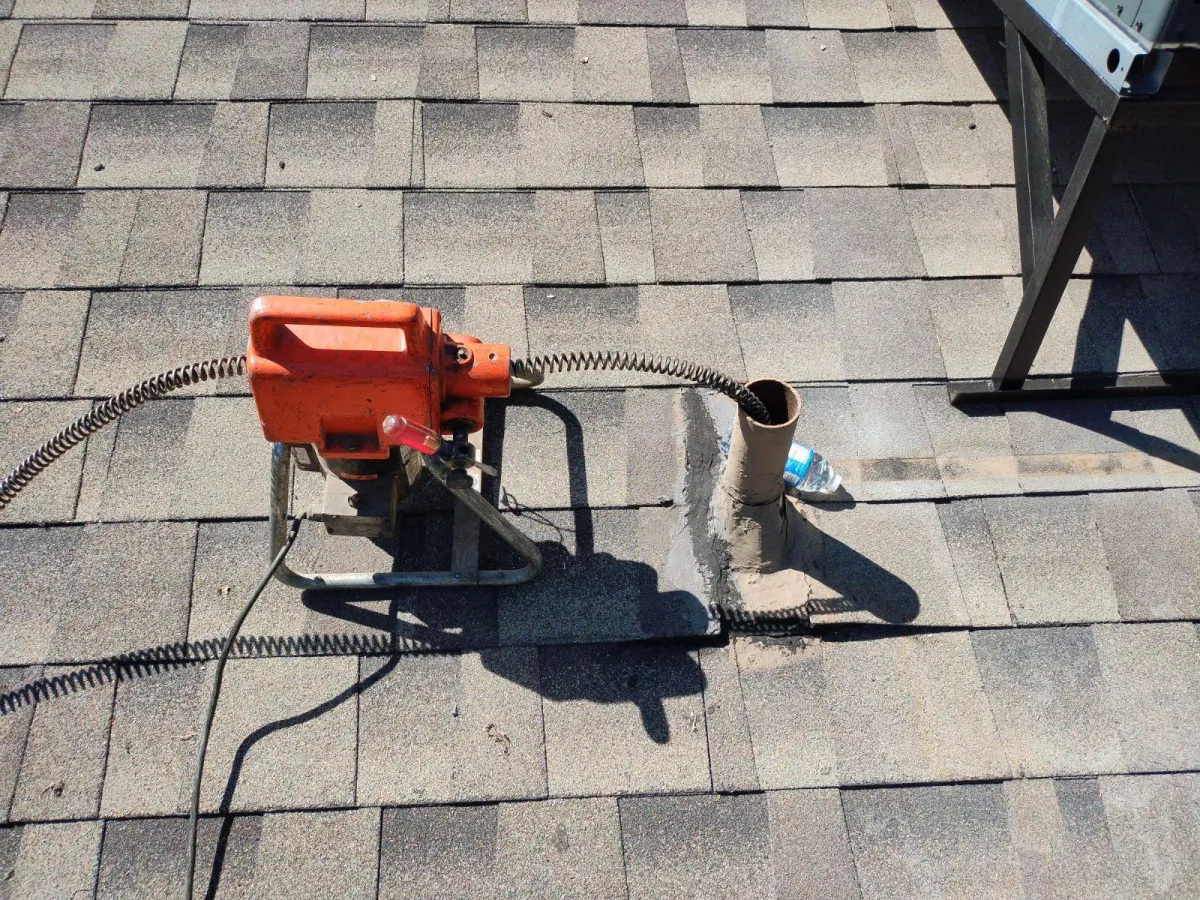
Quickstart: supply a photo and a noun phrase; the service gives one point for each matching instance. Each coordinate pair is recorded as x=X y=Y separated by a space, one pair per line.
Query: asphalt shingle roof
x=1001 y=692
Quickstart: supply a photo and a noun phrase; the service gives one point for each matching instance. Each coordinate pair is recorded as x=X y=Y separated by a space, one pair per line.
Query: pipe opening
x=780 y=399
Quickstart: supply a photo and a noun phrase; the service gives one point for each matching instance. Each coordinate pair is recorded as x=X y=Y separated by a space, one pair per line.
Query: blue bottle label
x=799 y=459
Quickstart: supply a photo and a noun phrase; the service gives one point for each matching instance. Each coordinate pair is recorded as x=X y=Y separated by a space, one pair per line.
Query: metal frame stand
x=1051 y=244
x=469 y=510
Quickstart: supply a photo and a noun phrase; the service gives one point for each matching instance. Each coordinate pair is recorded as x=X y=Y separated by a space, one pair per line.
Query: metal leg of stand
x=1031 y=147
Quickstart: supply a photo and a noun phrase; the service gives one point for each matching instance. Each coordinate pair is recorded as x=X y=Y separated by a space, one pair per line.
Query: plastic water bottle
x=806 y=471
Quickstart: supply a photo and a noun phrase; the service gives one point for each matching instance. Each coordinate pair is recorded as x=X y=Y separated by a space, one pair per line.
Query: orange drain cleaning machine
x=363 y=392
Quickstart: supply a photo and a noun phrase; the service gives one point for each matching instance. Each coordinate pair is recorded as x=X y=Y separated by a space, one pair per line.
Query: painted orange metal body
x=328 y=371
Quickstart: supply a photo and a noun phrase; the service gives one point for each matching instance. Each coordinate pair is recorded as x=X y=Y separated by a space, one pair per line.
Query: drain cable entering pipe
x=218 y=677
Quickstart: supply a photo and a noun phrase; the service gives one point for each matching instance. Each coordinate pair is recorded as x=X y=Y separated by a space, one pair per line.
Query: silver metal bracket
x=470 y=508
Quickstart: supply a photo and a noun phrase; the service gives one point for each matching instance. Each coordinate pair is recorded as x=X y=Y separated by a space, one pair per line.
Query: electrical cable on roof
x=202 y=749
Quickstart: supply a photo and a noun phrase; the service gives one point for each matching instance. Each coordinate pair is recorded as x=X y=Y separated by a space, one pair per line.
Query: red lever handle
x=398 y=430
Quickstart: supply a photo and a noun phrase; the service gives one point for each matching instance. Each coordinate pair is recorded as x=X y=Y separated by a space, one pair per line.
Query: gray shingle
x=766 y=313
x=973 y=447
x=567 y=146
x=669 y=137
x=152 y=747
x=347 y=61
x=51 y=860
x=492 y=234
x=895 y=67
x=63 y=764
x=163 y=246
x=894 y=448
x=713 y=846
x=566 y=239
x=309 y=763
x=910 y=709
x=633 y=12
x=547 y=848
x=973 y=62
x=1061 y=837
x=1124 y=239
x=667 y=80
x=1052 y=437
x=625 y=236
x=812 y=819
x=236 y=147
x=1176 y=312
x=961 y=232
x=79 y=61
x=323 y=237
x=623 y=719
x=1153 y=676
x=781 y=234
x=1172 y=225
x=470 y=145
x=1154 y=821
x=51 y=240
x=700 y=236
x=827 y=145
x=936 y=842
x=783 y=683
x=735 y=147
x=827 y=422
x=166 y=448
x=40 y=143
x=229 y=560
x=448 y=729
x=326 y=852
x=946 y=141
x=775 y=12
x=810 y=67
x=567 y=848
x=42 y=333
x=653 y=585
x=23 y=426
x=17 y=706
x=717 y=12
x=856 y=15
x=140 y=9
x=890 y=562
x=57 y=613
x=1176 y=465
x=254 y=237
x=1106 y=305
x=280 y=9
x=488 y=10
x=972 y=318
x=617 y=65
x=725 y=66
x=449 y=68
x=691 y=321
x=627 y=465
x=1152 y=545
x=887 y=330
x=1050 y=701
x=340 y=144
x=730 y=751
x=438 y=851
x=273 y=63
x=970 y=544
x=862 y=232
x=526 y=63
x=209 y=66
x=1051 y=559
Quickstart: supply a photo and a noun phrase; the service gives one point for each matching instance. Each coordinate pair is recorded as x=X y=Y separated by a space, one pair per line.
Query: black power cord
x=219 y=675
